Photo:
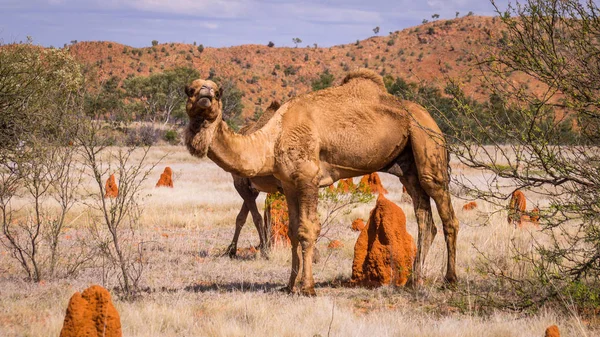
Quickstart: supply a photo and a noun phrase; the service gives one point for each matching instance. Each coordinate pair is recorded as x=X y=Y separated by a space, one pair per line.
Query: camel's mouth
x=205 y=101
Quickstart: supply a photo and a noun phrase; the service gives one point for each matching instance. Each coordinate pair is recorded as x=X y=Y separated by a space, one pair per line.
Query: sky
x=220 y=23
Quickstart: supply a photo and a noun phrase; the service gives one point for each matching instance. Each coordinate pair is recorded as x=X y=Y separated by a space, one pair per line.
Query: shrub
x=172 y=137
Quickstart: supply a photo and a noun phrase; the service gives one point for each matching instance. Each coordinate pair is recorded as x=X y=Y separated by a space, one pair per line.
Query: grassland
x=190 y=289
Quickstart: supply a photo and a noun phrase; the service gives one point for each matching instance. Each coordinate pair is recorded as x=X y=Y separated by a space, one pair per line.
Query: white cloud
x=204 y=8
x=326 y=14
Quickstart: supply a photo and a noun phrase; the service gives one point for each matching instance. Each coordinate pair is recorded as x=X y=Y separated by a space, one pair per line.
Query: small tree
x=325 y=80
x=271 y=44
x=40 y=101
x=115 y=220
x=296 y=41
x=154 y=43
x=435 y=16
x=542 y=142
x=200 y=48
x=376 y=30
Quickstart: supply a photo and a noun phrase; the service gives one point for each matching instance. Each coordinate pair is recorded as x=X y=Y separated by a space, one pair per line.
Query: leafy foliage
x=520 y=137
x=159 y=97
x=325 y=80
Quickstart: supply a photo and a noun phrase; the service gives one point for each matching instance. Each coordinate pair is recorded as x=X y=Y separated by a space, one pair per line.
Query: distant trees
x=159 y=97
x=296 y=41
x=271 y=44
x=376 y=30
x=435 y=16
x=154 y=43
x=200 y=48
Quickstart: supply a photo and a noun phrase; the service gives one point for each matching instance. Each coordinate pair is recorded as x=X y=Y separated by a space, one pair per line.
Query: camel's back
x=357 y=124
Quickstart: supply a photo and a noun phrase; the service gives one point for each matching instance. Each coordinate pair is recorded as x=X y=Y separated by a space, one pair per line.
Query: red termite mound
x=111 y=188
x=516 y=207
x=277 y=218
x=552 y=331
x=358 y=225
x=166 y=178
x=535 y=215
x=91 y=314
x=385 y=251
x=469 y=206
x=345 y=186
x=335 y=244
x=372 y=183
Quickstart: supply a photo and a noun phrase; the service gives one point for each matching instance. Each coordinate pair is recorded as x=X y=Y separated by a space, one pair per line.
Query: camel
x=318 y=138
x=250 y=188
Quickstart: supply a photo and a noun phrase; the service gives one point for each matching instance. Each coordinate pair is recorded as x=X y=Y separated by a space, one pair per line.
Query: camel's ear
x=274 y=105
x=189 y=91
x=219 y=94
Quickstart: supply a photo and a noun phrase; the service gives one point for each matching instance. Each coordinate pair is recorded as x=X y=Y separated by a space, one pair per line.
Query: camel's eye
x=189 y=91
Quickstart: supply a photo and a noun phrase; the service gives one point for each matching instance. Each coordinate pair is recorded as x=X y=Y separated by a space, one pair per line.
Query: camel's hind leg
x=427 y=229
x=431 y=160
x=405 y=168
x=260 y=227
x=240 y=220
x=242 y=186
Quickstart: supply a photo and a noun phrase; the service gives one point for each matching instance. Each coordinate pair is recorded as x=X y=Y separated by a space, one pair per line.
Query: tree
x=297 y=41
x=40 y=100
x=200 y=48
x=376 y=30
x=435 y=16
x=154 y=43
x=325 y=80
x=542 y=142
x=271 y=44
x=158 y=97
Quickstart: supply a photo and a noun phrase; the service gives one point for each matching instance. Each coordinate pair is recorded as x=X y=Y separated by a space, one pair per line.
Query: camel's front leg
x=292 y=202
x=308 y=232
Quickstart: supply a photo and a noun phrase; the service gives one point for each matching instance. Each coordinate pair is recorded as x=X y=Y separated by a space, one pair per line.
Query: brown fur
x=365 y=74
x=318 y=138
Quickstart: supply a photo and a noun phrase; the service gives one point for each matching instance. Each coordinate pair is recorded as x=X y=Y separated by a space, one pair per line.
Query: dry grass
x=191 y=290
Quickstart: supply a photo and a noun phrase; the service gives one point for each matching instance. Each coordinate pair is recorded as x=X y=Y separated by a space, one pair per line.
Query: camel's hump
x=366 y=74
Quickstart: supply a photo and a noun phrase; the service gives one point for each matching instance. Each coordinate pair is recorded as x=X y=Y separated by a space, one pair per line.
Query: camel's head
x=204 y=100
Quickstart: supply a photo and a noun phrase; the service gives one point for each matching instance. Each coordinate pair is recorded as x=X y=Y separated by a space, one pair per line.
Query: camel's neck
x=243 y=155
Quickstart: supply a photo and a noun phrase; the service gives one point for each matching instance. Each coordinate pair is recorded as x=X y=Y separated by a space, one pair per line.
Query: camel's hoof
x=450 y=282
x=308 y=292
x=231 y=252
x=289 y=291
x=414 y=284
